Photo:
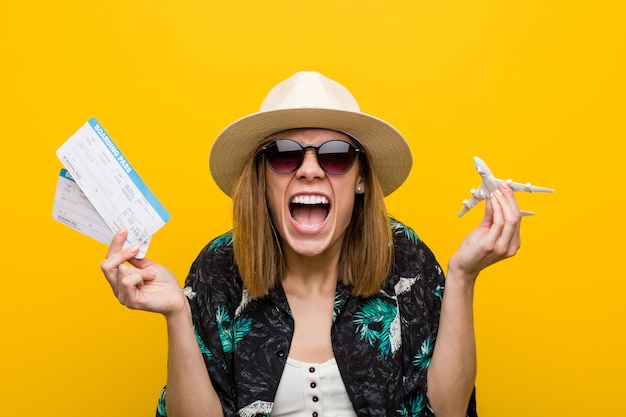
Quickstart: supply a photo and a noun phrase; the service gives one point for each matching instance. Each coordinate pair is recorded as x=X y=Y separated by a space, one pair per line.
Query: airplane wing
x=516 y=186
x=469 y=204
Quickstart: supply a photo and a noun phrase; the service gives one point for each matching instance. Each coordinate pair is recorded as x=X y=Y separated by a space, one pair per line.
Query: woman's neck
x=311 y=273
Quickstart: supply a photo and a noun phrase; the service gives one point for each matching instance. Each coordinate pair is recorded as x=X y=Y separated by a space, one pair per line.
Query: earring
x=359 y=189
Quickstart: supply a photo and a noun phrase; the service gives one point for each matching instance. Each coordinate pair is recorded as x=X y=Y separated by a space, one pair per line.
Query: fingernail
x=121 y=231
x=498 y=193
x=133 y=248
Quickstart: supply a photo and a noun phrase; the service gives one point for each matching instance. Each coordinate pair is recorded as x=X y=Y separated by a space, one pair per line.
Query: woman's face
x=310 y=208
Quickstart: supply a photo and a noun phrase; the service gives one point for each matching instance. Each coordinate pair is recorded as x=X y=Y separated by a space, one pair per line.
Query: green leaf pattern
x=378 y=322
x=399 y=228
x=423 y=357
x=231 y=331
x=203 y=347
x=337 y=305
x=412 y=406
x=161 y=404
x=222 y=240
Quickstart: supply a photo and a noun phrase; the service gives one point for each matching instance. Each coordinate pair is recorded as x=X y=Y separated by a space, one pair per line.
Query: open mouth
x=309 y=210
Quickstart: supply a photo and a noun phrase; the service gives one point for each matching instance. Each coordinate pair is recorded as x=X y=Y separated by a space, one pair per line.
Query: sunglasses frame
x=303 y=148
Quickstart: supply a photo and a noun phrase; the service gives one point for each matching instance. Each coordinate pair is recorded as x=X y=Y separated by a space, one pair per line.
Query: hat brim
x=387 y=150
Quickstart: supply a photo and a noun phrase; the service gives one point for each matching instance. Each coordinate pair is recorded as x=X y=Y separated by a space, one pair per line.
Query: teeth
x=309 y=199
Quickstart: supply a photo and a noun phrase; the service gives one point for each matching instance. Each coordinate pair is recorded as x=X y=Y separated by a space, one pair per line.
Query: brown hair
x=367 y=249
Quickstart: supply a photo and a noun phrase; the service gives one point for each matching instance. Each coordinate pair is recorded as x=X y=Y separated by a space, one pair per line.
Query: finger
x=129 y=287
x=118 y=241
x=115 y=276
x=497 y=222
x=488 y=216
x=111 y=266
x=508 y=241
x=509 y=202
x=115 y=259
x=142 y=263
x=512 y=212
x=126 y=269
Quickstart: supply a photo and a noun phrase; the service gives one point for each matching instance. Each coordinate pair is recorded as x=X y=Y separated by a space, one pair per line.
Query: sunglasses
x=335 y=156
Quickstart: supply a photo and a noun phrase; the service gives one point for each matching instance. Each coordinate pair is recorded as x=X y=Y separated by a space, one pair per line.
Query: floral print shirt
x=382 y=344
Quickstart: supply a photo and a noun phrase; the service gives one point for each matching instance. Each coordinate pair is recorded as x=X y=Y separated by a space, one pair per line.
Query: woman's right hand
x=141 y=284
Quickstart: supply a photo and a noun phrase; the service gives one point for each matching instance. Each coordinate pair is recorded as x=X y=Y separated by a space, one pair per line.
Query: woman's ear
x=360 y=185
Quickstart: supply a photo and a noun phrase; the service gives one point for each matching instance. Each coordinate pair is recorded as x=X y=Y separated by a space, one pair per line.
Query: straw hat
x=311 y=100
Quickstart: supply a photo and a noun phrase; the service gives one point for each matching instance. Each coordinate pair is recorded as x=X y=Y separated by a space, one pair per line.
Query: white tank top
x=312 y=390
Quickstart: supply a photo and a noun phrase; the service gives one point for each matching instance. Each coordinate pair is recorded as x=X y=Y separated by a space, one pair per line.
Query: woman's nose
x=310 y=167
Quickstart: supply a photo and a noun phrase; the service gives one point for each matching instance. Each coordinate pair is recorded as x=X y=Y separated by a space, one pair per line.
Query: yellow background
x=534 y=87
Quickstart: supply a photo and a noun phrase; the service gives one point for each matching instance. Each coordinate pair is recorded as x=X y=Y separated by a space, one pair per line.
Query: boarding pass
x=100 y=190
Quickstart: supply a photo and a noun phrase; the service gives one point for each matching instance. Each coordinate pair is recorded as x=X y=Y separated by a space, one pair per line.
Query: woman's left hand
x=496 y=238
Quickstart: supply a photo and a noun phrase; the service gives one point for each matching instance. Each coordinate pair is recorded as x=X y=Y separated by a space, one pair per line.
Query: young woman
x=317 y=303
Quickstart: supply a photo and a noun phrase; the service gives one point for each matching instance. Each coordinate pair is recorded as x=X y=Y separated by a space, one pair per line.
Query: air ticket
x=112 y=187
x=72 y=207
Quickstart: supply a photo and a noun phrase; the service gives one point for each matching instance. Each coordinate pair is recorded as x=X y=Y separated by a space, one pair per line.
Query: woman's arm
x=144 y=285
x=452 y=371
x=189 y=388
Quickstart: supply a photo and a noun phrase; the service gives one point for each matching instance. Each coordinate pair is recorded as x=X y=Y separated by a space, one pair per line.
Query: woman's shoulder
x=406 y=239
x=403 y=233
x=223 y=242
x=411 y=254
x=215 y=266
x=219 y=249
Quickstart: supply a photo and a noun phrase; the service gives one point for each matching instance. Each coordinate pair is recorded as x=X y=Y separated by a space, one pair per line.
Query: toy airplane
x=490 y=184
